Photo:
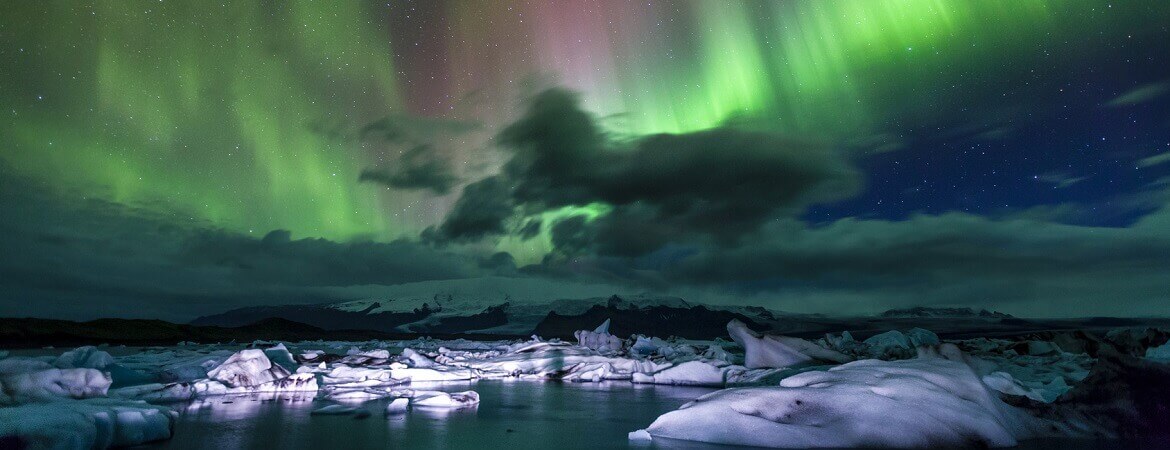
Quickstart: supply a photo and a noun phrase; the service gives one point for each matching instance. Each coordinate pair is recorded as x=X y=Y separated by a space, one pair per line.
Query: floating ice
x=778 y=351
x=919 y=403
x=280 y=355
x=1159 y=353
x=173 y=392
x=93 y=423
x=599 y=339
x=640 y=435
x=398 y=406
x=416 y=359
x=52 y=384
x=920 y=337
x=436 y=399
x=84 y=357
x=249 y=367
x=1005 y=383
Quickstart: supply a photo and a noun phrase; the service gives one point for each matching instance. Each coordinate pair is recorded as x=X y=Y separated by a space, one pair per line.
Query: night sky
x=176 y=158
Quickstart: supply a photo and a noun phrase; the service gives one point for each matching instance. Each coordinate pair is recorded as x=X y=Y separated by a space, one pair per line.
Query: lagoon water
x=512 y=414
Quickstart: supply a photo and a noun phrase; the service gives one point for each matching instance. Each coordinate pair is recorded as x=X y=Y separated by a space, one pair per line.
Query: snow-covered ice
x=398 y=406
x=438 y=399
x=83 y=424
x=58 y=402
x=52 y=384
x=248 y=367
x=918 y=403
x=779 y=351
x=88 y=357
x=897 y=388
x=599 y=339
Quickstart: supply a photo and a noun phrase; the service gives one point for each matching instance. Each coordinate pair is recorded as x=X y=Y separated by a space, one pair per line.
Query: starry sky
x=175 y=158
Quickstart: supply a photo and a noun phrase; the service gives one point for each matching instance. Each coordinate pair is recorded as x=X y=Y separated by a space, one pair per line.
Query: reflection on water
x=512 y=414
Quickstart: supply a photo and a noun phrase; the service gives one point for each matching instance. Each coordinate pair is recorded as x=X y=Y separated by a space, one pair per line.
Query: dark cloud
x=1029 y=266
x=62 y=255
x=721 y=175
x=413 y=129
x=927 y=249
x=718 y=183
x=500 y=263
x=482 y=210
x=717 y=214
x=418 y=168
x=571 y=235
x=530 y=229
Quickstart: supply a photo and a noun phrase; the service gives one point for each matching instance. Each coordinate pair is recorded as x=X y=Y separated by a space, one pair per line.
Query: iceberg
x=280 y=355
x=398 y=406
x=93 y=423
x=762 y=351
x=599 y=339
x=88 y=357
x=249 y=367
x=437 y=399
x=1160 y=353
x=926 y=402
x=52 y=384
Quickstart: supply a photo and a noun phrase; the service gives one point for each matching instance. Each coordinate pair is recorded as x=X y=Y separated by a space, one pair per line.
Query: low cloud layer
x=717 y=213
x=417 y=168
x=67 y=256
x=714 y=216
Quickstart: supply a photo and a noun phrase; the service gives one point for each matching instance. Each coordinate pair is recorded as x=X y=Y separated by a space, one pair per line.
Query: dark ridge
x=924 y=311
x=372 y=307
x=1112 y=322
x=34 y=333
x=696 y=322
x=493 y=316
x=319 y=316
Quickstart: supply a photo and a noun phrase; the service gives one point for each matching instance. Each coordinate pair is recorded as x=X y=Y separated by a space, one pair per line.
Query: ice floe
x=918 y=403
x=906 y=388
x=779 y=351
x=92 y=423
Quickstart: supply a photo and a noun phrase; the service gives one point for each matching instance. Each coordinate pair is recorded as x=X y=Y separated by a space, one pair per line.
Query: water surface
x=511 y=414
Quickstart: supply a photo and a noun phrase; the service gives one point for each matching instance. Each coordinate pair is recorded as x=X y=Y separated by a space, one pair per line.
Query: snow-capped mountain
x=506 y=306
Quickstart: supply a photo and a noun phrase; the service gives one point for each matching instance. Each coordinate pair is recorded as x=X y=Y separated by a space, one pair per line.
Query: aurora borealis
x=658 y=145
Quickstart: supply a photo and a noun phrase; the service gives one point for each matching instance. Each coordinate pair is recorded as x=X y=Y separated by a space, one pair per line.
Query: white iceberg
x=88 y=357
x=762 y=351
x=705 y=373
x=398 y=406
x=417 y=359
x=437 y=399
x=52 y=384
x=599 y=339
x=921 y=337
x=94 y=423
x=173 y=392
x=248 y=367
x=917 y=403
x=279 y=355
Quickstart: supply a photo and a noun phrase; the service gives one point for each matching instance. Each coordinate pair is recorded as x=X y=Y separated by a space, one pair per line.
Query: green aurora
x=244 y=116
